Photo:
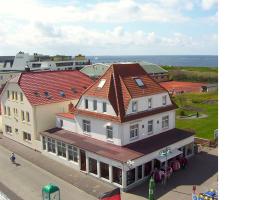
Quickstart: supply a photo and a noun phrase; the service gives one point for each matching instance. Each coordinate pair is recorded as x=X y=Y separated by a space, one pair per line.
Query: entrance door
x=83 y=160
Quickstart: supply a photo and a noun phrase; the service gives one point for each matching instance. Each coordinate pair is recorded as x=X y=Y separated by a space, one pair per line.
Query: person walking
x=12 y=158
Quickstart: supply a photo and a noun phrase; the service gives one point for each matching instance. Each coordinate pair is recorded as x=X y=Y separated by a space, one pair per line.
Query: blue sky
x=115 y=27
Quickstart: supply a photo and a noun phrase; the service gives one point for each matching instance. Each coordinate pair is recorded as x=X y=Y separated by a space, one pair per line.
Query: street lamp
x=165 y=153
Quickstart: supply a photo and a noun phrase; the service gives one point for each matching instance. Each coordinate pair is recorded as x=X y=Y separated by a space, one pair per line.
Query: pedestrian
x=12 y=157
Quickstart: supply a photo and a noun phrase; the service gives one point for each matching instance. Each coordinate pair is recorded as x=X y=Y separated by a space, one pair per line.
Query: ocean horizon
x=171 y=60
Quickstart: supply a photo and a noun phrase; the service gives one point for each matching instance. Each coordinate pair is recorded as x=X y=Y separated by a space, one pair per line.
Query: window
x=22 y=115
x=95 y=105
x=86 y=126
x=139 y=82
x=134 y=106
x=150 y=126
x=72 y=153
x=101 y=83
x=51 y=145
x=61 y=149
x=27 y=117
x=21 y=96
x=26 y=136
x=8 y=129
x=150 y=103
x=104 y=107
x=165 y=122
x=8 y=95
x=164 y=100
x=92 y=166
x=109 y=131
x=86 y=103
x=44 y=143
x=16 y=131
x=5 y=110
x=8 y=109
x=15 y=111
x=16 y=96
x=13 y=95
x=134 y=131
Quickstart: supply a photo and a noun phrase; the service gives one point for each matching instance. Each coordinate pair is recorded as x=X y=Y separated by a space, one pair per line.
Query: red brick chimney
x=70 y=107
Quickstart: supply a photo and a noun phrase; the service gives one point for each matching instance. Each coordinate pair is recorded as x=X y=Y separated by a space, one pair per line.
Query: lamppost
x=165 y=153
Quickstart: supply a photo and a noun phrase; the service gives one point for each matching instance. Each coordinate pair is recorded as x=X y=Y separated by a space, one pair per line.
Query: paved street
x=26 y=179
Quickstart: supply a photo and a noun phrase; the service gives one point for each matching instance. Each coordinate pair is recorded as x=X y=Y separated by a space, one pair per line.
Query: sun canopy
x=171 y=154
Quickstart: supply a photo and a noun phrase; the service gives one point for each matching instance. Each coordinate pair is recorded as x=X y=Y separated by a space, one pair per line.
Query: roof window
x=36 y=93
x=101 y=83
x=62 y=93
x=139 y=82
x=46 y=93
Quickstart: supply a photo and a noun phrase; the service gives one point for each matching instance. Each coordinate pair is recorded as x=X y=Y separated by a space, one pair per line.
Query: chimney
x=70 y=107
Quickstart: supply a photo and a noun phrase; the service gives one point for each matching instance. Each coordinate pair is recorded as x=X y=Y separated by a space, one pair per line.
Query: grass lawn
x=203 y=127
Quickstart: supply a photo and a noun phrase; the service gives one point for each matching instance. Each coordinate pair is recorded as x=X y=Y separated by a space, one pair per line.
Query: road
x=26 y=180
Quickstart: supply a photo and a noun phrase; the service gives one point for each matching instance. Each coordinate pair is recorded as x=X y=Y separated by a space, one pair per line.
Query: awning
x=171 y=154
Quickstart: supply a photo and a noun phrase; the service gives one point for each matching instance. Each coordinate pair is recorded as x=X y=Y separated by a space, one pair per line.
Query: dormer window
x=134 y=106
x=149 y=103
x=104 y=107
x=101 y=83
x=164 y=100
x=139 y=82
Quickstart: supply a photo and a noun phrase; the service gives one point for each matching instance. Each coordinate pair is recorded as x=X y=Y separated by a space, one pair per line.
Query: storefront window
x=117 y=175
x=130 y=176
x=104 y=170
x=72 y=153
x=147 y=168
x=61 y=149
x=92 y=166
x=140 y=172
x=51 y=145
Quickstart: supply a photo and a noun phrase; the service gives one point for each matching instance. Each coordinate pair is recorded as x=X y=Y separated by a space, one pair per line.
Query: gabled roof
x=120 y=87
x=45 y=87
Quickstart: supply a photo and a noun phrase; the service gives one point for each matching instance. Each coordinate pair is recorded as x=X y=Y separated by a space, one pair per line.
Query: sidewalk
x=84 y=182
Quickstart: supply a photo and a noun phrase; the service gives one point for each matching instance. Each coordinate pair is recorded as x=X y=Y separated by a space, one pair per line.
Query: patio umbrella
x=152 y=186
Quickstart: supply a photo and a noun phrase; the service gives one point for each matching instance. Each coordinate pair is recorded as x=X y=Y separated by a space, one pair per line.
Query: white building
x=44 y=62
x=119 y=128
x=30 y=101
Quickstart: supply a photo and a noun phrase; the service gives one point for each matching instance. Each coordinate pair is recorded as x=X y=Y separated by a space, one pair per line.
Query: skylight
x=62 y=93
x=101 y=83
x=46 y=93
x=139 y=82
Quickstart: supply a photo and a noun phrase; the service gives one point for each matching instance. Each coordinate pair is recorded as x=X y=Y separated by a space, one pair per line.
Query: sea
x=170 y=60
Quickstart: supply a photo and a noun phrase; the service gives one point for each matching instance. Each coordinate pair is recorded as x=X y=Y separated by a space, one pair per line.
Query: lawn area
x=204 y=103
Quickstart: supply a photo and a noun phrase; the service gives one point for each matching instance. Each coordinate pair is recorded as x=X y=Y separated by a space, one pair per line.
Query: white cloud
x=208 y=4
x=117 y=11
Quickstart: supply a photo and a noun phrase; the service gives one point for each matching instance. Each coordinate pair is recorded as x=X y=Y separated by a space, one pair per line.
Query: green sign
x=50 y=192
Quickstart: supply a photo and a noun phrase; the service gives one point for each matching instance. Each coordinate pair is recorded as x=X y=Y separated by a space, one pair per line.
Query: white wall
x=81 y=105
x=143 y=102
x=68 y=124
x=143 y=132
x=98 y=129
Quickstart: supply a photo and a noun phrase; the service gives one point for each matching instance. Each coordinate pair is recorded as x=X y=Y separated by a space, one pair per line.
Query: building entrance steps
x=80 y=180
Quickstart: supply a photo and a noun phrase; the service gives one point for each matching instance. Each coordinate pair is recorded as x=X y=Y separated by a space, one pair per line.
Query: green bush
x=182 y=113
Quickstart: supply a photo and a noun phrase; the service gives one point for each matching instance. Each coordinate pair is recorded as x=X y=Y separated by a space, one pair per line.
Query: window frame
x=150 y=103
x=95 y=105
x=72 y=153
x=165 y=121
x=86 y=126
x=104 y=107
x=164 y=100
x=61 y=149
x=134 y=130
x=109 y=131
x=26 y=136
x=134 y=104
x=51 y=145
x=86 y=104
x=150 y=125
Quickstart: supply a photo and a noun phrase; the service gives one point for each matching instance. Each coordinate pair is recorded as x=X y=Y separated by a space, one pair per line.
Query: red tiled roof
x=35 y=84
x=120 y=86
x=66 y=115
x=177 y=86
x=123 y=154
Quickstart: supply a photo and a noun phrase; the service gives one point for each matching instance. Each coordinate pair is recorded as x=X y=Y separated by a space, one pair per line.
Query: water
x=173 y=60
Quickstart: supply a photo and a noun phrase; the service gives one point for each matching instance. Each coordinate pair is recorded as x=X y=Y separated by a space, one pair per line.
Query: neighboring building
x=119 y=129
x=178 y=87
x=6 y=61
x=156 y=72
x=30 y=101
x=5 y=76
x=36 y=62
x=210 y=87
